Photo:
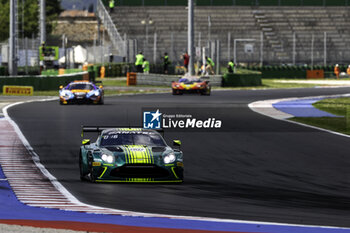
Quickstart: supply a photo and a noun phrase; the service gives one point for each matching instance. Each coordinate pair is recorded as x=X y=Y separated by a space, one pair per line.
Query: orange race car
x=191 y=85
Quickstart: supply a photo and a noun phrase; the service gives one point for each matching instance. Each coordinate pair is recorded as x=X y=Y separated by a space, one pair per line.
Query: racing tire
x=82 y=175
x=175 y=92
x=91 y=175
x=61 y=102
x=102 y=100
x=91 y=171
x=206 y=92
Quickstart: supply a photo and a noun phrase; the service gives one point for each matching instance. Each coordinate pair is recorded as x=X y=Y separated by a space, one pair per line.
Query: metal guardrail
x=113 y=33
x=233 y=3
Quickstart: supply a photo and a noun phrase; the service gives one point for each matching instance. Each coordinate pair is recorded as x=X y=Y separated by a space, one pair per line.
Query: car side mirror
x=177 y=143
x=86 y=142
x=61 y=87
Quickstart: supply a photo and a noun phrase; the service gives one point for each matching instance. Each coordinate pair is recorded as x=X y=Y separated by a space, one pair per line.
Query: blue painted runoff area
x=11 y=208
x=302 y=108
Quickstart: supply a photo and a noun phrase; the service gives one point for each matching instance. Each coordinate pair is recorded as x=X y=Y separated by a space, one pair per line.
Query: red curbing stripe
x=98 y=227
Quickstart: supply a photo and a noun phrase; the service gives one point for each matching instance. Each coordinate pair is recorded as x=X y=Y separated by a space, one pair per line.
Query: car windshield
x=80 y=86
x=132 y=138
x=189 y=81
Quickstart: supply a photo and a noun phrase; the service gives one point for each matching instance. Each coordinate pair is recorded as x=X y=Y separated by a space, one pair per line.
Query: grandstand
x=280 y=21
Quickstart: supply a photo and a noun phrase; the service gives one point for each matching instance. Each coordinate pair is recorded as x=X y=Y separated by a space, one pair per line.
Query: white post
x=325 y=49
x=42 y=21
x=234 y=55
x=172 y=46
x=155 y=48
x=209 y=28
x=294 y=47
x=125 y=48
x=217 y=57
x=146 y=34
x=228 y=46
x=261 y=49
x=312 y=50
x=13 y=38
x=203 y=59
x=26 y=54
x=95 y=55
x=199 y=39
x=190 y=36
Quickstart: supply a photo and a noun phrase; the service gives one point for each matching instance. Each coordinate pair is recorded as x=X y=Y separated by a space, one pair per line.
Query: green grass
x=112 y=82
x=121 y=82
x=330 y=123
x=271 y=83
x=337 y=106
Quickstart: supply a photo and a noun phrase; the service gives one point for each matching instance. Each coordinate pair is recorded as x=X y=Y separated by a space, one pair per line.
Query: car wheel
x=82 y=175
x=91 y=175
x=207 y=92
x=174 y=92
x=102 y=100
x=91 y=170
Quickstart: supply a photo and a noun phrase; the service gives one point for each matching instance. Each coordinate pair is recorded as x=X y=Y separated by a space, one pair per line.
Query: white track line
x=75 y=205
x=266 y=108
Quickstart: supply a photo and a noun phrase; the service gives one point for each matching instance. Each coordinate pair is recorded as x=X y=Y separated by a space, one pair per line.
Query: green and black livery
x=130 y=155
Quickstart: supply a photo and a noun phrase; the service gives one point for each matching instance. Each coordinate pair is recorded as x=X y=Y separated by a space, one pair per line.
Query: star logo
x=152 y=120
x=156 y=115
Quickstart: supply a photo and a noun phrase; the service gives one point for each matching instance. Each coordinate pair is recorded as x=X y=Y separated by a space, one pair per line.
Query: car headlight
x=93 y=93
x=170 y=158
x=66 y=94
x=107 y=158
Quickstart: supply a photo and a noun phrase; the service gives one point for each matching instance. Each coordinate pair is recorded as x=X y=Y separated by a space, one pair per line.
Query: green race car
x=129 y=155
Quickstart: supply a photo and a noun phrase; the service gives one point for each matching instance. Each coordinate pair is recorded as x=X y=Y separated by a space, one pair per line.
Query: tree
x=31 y=17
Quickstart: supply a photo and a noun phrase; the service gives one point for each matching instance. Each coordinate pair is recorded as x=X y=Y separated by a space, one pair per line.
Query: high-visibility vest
x=210 y=62
x=231 y=64
x=145 y=66
x=139 y=60
x=111 y=3
x=166 y=60
x=336 y=70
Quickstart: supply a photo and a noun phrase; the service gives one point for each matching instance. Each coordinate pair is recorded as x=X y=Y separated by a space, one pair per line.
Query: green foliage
x=4 y=19
x=241 y=80
x=31 y=17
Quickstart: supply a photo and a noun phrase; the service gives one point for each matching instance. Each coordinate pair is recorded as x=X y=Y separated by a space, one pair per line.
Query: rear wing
x=99 y=129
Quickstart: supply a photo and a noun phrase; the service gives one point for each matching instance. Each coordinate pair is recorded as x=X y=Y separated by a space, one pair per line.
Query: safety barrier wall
x=293 y=72
x=21 y=71
x=232 y=2
x=241 y=80
x=41 y=83
x=165 y=80
x=280 y=74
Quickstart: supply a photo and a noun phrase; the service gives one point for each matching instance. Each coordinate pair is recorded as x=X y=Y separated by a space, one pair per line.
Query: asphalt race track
x=255 y=168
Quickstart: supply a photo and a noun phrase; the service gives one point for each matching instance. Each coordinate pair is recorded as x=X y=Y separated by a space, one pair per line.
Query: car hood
x=139 y=153
x=79 y=91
